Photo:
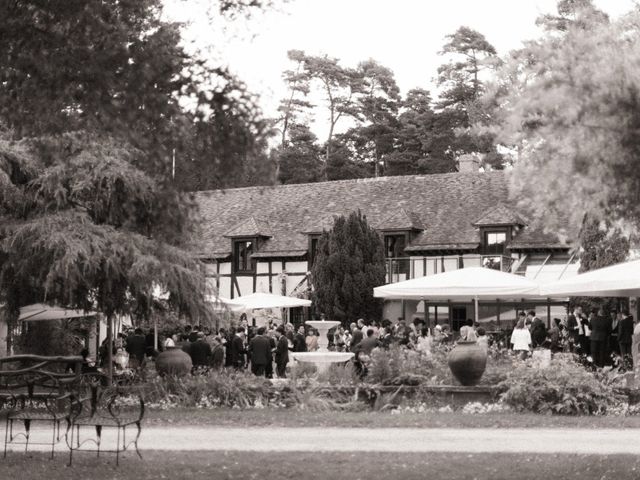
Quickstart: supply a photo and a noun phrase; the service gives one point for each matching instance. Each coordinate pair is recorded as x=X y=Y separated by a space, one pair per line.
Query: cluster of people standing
x=603 y=338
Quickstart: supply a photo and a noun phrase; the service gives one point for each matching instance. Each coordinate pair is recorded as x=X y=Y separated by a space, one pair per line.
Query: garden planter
x=467 y=362
x=173 y=361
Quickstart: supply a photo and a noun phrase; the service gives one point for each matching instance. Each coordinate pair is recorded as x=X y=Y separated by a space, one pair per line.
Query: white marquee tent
x=465 y=285
x=267 y=300
x=41 y=311
x=621 y=280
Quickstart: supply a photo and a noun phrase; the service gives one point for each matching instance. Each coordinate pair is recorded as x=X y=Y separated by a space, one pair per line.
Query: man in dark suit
x=538 y=330
x=625 y=338
x=282 y=353
x=299 y=343
x=367 y=345
x=600 y=326
x=200 y=352
x=259 y=350
x=238 y=360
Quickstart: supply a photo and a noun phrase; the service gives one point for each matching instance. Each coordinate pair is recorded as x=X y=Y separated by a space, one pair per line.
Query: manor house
x=264 y=239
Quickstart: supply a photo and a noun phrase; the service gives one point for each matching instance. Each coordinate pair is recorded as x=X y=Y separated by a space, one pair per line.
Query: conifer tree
x=349 y=264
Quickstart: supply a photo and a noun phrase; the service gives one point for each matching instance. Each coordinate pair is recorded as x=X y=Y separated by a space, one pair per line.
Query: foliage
x=300 y=158
x=601 y=245
x=422 y=138
x=229 y=389
x=570 y=109
x=470 y=55
x=96 y=99
x=349 y=264
x=564 y=388
x=399 y=365
x=52 y=338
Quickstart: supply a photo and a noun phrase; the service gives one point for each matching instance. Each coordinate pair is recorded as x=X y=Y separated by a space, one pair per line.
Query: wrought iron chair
x=98 y=407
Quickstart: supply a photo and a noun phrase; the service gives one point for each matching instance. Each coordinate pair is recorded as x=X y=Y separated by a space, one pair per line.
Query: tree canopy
x=95 y=99
x=569 y=107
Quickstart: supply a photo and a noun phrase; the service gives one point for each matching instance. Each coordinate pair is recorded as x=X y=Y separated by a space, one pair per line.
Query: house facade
x=264 y=239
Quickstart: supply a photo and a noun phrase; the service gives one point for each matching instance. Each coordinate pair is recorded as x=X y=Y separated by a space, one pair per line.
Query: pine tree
x=349 y=264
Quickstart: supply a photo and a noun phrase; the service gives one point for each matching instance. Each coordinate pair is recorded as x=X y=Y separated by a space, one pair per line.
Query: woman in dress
x=521 y=339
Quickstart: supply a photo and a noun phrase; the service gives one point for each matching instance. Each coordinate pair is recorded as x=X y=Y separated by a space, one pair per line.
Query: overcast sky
x=404 y=35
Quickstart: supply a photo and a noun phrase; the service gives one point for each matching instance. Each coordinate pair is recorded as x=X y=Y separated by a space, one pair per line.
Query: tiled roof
x=500 y=215
x=445 y=205
x=401 y=219
x=251 y=227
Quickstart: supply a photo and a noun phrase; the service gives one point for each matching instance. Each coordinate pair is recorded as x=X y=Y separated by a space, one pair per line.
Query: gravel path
x=603 y=442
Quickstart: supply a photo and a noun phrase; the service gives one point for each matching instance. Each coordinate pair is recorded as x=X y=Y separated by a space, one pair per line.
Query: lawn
x=299 y=418
x=309 y=466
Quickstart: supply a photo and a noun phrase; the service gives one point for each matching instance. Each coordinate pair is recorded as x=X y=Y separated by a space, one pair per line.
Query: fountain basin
x=322 y=357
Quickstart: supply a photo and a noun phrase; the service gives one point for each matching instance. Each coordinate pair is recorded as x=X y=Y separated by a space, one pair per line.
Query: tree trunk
x=109 y=349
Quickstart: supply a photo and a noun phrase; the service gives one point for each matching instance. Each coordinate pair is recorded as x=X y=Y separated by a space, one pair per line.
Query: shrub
x=229 y=389
x=564 y=388
x=401 y=366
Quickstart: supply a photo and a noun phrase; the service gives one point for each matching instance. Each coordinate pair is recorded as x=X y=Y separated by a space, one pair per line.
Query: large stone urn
x=467 y=362
x=173 y=361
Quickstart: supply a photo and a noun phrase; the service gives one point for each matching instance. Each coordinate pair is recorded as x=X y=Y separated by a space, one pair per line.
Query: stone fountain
x=322 y=358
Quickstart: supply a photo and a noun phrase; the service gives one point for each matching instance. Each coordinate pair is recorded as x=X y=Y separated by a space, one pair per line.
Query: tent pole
x=475 y=299
x=155 y=332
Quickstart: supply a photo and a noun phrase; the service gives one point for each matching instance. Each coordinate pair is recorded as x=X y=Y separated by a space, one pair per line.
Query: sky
x=403 y=35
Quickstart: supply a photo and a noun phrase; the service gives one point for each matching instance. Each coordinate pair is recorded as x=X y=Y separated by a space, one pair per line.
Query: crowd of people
x=603 y=339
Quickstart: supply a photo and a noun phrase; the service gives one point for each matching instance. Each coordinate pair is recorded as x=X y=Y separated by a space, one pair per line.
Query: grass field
x=334 y=466
x=297 y=418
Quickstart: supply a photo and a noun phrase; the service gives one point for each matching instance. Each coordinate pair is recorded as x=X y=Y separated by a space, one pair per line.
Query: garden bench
x=36 y=389
x=97 y=407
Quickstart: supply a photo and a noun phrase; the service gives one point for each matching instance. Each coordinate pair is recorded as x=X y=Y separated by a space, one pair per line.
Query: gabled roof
x=446 y=205
x=401 y=220
x=500 y=215
x=251 y=227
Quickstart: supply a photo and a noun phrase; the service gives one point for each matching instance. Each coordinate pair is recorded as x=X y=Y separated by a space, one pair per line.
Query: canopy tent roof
x=465 y=284
x=621 y=280
x=268 y=300
x=222 y=303
x=41 y=311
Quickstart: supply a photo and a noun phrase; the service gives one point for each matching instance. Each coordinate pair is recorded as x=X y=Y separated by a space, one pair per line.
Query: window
x=242 y=252
x=314 y=242
x=394 y=245
x=394 y=248
x=494 y=242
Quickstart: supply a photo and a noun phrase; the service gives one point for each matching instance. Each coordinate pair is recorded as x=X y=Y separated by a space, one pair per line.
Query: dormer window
x=495 y=242
x=394 y=245
x=242 y=255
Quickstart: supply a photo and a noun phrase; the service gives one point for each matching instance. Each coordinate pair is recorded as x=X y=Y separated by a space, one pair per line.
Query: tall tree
x=90 y=99
x=460 y=78
x=350 y=263
x=570 y=109
x=422 y=138
x=300 y=159
x=348 y=159
x=338 y=86
x=377 y=107
x=297 y=80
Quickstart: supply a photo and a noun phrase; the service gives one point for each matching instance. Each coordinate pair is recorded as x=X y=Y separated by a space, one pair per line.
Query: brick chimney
x=469 y=163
